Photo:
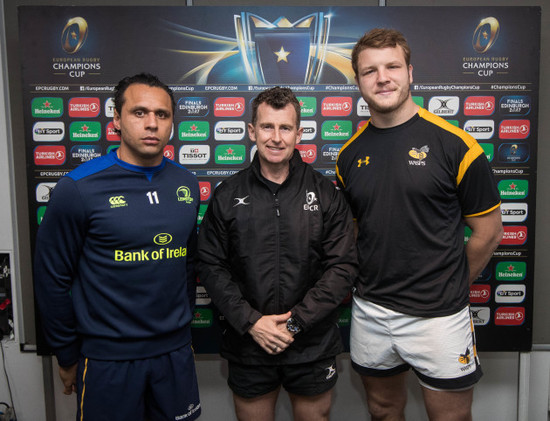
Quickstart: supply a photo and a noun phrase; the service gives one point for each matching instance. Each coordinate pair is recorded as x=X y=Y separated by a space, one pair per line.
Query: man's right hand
x=271 y=334
x=68 y=377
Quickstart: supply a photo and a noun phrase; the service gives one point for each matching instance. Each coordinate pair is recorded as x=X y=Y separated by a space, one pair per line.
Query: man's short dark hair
x=277 y=98
x=143 y=79
x=380 y=38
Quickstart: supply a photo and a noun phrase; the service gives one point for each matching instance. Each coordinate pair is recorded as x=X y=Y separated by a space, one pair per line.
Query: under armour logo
x=241 y=201
x=331 y=372
x=363 y=161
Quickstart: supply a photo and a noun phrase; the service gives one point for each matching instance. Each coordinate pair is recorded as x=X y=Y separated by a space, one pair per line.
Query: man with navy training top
x=277 y=257
x=414 y=181
x=114 y=269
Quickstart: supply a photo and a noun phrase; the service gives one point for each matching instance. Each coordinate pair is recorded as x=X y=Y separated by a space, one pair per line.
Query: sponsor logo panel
x=194 y=130
x=47 y=107
x=336 y=130
x=362 y=108
x=202 y=317
x=479 y=105
x=203 y=299
x=309 y=130
x=84 y=107
x=85 y=131
x=205 y=190
x=480 y=129
x=444 y=106
x=515 y=105
x=229 y=107
x=230 y=154
x=49 y=155
x=329 y=152
x=510 y=293
x=514 y=235
x=307 y=152
x=230 y=130
x=480 y=293
x=48 y=131
x=192 y=107
x=513 y=189
x=480 y=315
x=83 y=153
x=511 y=271
x=111 y=134
x=194 y=154
x=43 y=192
x=509 y=316
x=513 y=153
x=489 y=150
x=513 y=212
x=514 y=129
x=308 y=105
x=336 y=106
x=109 y=107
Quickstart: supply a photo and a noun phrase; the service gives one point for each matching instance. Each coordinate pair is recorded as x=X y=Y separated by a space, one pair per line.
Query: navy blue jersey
x=409 y=188
x=114 y=274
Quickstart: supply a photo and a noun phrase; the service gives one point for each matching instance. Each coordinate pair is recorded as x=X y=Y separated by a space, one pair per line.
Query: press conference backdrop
x=476 y=67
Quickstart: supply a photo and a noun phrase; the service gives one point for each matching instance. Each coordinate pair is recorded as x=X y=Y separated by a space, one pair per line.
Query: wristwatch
x=293 y=326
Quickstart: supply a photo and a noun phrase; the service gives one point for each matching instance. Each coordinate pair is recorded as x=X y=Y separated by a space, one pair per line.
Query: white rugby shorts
x=440 y=350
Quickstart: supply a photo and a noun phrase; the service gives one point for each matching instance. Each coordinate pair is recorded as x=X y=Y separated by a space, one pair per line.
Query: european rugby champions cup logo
x=281 y=51
x=486 y=34
x=74 y=35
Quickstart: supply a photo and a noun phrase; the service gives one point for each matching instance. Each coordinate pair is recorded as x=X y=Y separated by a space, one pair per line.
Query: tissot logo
x=480 y=293
x=480 y=129
x=515 y=105
x=85 y=131
x=513 y=212
x=49 y=155
x=48 y=131
x=514 y=129
x=43 y=192
x=229 y=107
x=509 y=316
x=84 y=107
x=194 y=154
x=514 y=235
x=337 y=106
x=310 y=130
x=479 y=105
x=510 y=293
x=513 y=189
x=362 y=108
x=444 y=105
x=83 y=153
x=47 y=107
x=480 y=315
x=511 y=271
x=109 y=107
x=192 y=107
x=513 y=153
x=307 y=152
x=205 y=190
x=229 y=130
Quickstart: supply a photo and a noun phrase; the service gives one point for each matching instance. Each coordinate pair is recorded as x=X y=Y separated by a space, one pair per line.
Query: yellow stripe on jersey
x=83 y=389
x=484 y=212
x=474 y=150
x=361 y=130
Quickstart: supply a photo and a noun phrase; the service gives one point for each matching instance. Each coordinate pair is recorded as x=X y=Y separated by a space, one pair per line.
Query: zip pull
x=277 y=210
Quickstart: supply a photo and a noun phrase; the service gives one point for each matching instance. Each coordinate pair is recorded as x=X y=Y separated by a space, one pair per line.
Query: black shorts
x=308 y=379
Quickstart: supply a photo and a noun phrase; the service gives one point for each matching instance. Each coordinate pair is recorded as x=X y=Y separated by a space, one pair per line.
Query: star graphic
x=230 y=151
x=511 y=268
x=281 y=54
x=85 y=128
x=47 y=104
x=336 y=127
x=193 y=128
x=512 y=186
